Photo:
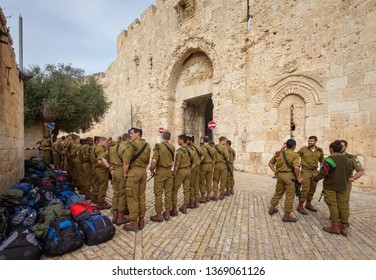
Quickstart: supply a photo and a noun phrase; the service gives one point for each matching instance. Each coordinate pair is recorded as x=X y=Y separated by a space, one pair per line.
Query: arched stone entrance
x=193 y=96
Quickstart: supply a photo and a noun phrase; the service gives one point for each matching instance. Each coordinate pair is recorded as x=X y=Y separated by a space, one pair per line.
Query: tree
x=64 y=95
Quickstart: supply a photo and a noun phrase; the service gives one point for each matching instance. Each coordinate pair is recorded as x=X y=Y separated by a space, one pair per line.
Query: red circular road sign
x=161 y=130
x=212 y=125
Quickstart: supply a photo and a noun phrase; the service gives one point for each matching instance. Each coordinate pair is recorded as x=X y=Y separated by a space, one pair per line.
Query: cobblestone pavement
x=239 y=228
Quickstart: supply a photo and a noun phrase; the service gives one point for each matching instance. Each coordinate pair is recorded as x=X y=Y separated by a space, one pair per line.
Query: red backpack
x=83 y=210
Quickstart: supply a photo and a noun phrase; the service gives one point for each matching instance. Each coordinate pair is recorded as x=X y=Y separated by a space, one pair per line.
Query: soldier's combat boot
x=222 y=196
x=122 y=219
x=88 y=196
x=309 y=206
x=343 y=229
x=141 y=223
x=157 y=218
x=103 y=205
x=115 y=214
x=166 y=215
x=214 y=196
x=183 y=208
x=207 y=197
x=232 y=191
x=202 y=199
x=288 y=219
x=196 y=203
x=334 y=228
x=174 y=210
x=300 y=208
x=272 y=210
x=94 y=198
x=227 y=193
x=191 y=204
x=132 y=226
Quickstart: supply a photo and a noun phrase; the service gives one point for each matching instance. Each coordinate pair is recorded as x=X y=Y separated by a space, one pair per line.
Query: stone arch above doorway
x=172 y=70
x=307 y=88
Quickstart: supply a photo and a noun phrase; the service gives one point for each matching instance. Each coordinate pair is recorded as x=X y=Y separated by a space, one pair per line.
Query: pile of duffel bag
x=42 y=214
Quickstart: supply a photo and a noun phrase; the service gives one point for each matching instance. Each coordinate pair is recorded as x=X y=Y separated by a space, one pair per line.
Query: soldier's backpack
x=64 y=236
x=21 y=244
x=69 y=197
x=97 y=229
x=83 y=210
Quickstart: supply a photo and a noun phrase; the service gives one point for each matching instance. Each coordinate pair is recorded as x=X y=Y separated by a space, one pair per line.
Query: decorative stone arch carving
x=179 y=55
x=307 y=88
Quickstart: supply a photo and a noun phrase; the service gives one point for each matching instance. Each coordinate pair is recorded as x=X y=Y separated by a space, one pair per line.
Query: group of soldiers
x=308 y=166
x=205 y=172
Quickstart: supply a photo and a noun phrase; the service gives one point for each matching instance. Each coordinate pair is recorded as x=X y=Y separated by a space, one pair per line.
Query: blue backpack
x=64 y=236
x=97 y=229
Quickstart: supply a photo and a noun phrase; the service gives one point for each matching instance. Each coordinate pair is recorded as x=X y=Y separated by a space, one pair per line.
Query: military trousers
x=206 y=177
x=119 y=197
x=102 y=177
x=94 y=181
x=163 y=182
x=230 y=178
x=183 y=176
x=57 y=160
x=338 y=205
x=308 y=185
x=79 y=172
x=286 y=186
x=220 y=177
x=87 y=176
x=135 y=188
x=194 y=189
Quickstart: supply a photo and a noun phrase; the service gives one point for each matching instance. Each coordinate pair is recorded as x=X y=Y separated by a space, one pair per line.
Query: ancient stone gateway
x=265 y=71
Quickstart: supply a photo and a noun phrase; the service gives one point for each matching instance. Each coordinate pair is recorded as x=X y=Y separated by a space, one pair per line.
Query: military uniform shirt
x=195 y=157
x=182 y=158
x=98 y=151
x=162 y=155
x=223 y=153
x=309 y=158
x=132 y=149
x=279 y=161
x=232 y=155
x=208 y=154
x=114 y=154
x=354 y=162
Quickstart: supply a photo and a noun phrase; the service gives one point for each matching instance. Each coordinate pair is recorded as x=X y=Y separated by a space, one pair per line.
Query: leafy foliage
x=63 y=95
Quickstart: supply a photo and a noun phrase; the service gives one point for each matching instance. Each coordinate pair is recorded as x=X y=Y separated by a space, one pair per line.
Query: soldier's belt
x=309 y=168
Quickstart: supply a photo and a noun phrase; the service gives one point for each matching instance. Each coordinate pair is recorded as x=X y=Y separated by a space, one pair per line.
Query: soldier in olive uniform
x=103 y=174
x=311 y=156
x=46 y=150
x=57 y=154
x=182 y=175
x=206 y=170
x=136 y=159
x=87 y=168
x=220 y=169
x=162 y=162
x=285 y=176
x=94 y=151
x=355 y=165
x=113 y=160
x=230 y=169
x=194 y=189
x=78 y=165
x=336 y=171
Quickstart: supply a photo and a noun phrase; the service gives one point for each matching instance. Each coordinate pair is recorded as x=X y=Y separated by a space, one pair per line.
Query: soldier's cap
x=206 y=138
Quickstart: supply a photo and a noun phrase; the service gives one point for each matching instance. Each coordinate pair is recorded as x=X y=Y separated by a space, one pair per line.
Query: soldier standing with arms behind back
x=113 y=160
x=220 y=169
x=135 y=161
x=230 y=169
x=206 y=170
x=161 y=164
x=284 y=174
x=311 y=156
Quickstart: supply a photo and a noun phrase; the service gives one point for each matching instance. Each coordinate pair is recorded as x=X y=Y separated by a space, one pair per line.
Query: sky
x=82 y=33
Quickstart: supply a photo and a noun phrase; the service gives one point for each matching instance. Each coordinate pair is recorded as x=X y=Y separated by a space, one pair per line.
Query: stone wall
x=11 y=113
x=272 y=70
